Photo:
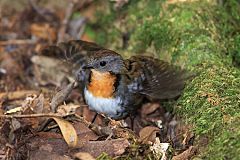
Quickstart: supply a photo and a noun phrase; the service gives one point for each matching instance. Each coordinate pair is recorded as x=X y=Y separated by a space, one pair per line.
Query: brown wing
x=156 y=79
x=74 y=51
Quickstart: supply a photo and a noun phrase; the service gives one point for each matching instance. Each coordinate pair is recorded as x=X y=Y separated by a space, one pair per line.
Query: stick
x=33 y=115
x=17 y=42
x=16 y=94
x=67 y=17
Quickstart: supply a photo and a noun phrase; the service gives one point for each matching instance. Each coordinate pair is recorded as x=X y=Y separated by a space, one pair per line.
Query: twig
x=46 y=14
x=17 y=42
x=17 y=94
x=33 y=115
x=39 y=10
x=67 y=17
x=81 y=119
x=61 y=96
x=82 y=28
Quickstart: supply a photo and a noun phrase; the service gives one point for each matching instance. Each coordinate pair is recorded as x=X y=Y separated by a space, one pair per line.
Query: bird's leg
x=132 y=117
x=94 y=118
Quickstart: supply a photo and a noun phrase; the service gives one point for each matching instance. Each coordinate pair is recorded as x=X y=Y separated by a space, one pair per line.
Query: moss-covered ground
x=202 y=36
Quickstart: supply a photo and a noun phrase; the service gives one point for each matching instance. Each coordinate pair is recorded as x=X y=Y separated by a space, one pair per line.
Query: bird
x=114 y=86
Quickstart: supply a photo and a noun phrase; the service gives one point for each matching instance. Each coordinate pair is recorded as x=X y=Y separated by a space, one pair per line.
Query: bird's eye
x=103 y=63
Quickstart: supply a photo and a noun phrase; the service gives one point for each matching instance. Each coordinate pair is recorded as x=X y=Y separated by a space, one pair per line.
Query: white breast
x=108 y=106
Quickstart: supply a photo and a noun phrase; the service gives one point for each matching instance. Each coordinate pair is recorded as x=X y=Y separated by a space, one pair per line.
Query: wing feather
x=157 y=79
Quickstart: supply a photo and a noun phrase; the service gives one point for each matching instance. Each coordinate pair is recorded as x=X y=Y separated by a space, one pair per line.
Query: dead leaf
x=14 y=125
x=43 y=154
x=148 y=134
x=89 y=115
x=17 y=94
x=84 y=133
x=113 y=147
x=14 y=110
x=187 y=154
x=67 y=108
x=38 y=104
x=83 y=156
x=9 y=63
x=68 y=132
x=149 y=108
x=44 y=31
x=160 y=149
x=48 y=141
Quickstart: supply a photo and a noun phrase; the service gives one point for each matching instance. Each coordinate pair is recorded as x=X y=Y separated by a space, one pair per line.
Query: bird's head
x=106 y=61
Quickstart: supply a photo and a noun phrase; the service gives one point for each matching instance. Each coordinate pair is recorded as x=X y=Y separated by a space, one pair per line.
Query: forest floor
x=200 y=36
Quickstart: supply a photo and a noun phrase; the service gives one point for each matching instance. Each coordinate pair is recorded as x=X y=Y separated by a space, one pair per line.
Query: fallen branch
x=17 y=42
x=65 y=21
x=17 y=94
x=33 y=115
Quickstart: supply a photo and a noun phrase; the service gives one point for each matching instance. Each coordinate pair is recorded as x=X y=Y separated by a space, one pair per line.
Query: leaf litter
x=39 y=122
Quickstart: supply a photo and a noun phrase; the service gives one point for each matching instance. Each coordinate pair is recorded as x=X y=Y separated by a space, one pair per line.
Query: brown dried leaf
x=9 y=64
x=38 y=104
x=44 y=31
x=89 y=115
x=84 y=133
x=83 y=156
x=187 y=154
x=113 y=147
x=68 y=131
x=149 y=108
x=45 y=154
x=148 y=134
x=16 y=94
x=14 y=110
x=67 y=108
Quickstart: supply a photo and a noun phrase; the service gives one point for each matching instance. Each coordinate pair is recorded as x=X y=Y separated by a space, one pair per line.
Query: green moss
x=211 y=102
x=203 y=37
x=104 y=156
x=235 y=52
x=210 y=97
x=226 y=142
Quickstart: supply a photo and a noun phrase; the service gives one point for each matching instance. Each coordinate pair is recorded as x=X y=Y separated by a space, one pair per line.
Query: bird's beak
x=87 y=66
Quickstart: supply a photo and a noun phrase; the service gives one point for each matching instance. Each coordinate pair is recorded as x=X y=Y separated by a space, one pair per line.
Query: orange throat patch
x=102 y=84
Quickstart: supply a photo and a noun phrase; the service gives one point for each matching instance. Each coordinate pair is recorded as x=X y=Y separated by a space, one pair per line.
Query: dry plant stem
x=82 y=28
x=16 y=94
x=17 y=42
x=81 y=119
x=61 y=96
x=97 y=129
x=36 y=8
x=68 y=14
x=32 y=115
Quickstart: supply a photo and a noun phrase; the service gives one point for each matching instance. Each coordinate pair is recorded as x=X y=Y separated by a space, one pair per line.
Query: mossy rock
x=202 y=36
